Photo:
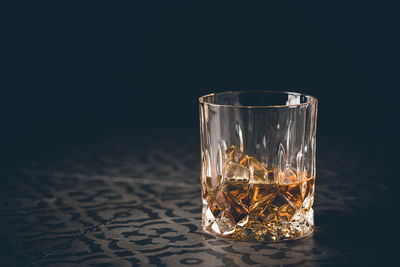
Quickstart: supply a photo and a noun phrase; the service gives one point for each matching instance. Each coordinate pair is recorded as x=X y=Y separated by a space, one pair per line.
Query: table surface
x=135 y=201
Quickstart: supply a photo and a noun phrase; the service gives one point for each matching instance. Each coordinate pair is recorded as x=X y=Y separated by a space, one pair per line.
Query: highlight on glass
x=258 y=164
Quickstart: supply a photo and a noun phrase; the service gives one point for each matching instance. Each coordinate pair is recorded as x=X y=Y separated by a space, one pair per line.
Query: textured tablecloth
x=135 y=201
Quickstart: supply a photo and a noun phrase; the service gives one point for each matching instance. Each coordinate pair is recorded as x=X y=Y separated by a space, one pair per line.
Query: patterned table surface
x=135 y=201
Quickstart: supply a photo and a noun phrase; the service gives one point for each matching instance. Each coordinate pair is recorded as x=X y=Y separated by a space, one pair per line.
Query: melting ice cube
x=287 y=176
x=236 y=165
x=258 y=173
x=234 y=171
x=233 y=154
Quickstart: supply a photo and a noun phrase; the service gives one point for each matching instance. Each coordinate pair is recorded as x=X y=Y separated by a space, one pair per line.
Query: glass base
x=250 y=229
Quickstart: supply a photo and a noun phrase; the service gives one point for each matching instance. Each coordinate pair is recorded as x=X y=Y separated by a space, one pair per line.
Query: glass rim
x=312 y=99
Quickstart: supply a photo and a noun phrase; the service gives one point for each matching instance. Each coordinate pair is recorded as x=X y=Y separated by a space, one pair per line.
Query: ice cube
x=243 y=160
x=230 y=153
x=258 y=173
x=287 y=176
x=233 y=154
x=236 y=172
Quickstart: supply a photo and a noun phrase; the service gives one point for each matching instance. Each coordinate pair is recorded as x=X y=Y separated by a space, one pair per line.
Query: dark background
x=74 y=72
x=79 y=75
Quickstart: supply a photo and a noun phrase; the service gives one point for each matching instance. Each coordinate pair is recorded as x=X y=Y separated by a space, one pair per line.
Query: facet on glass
x=258 y=164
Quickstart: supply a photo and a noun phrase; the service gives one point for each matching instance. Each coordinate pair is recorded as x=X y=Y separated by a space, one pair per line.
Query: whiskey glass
x=258 y=164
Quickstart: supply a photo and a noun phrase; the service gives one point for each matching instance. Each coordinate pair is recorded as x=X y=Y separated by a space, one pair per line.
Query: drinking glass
x=258 y=164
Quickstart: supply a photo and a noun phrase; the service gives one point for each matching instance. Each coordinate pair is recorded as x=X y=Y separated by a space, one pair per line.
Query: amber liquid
x=258 y=211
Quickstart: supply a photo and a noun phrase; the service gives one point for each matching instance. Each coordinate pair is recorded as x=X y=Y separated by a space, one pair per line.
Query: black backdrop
x=78 y=71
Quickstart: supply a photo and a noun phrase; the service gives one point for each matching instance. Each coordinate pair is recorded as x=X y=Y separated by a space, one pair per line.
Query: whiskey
x=251 y=202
